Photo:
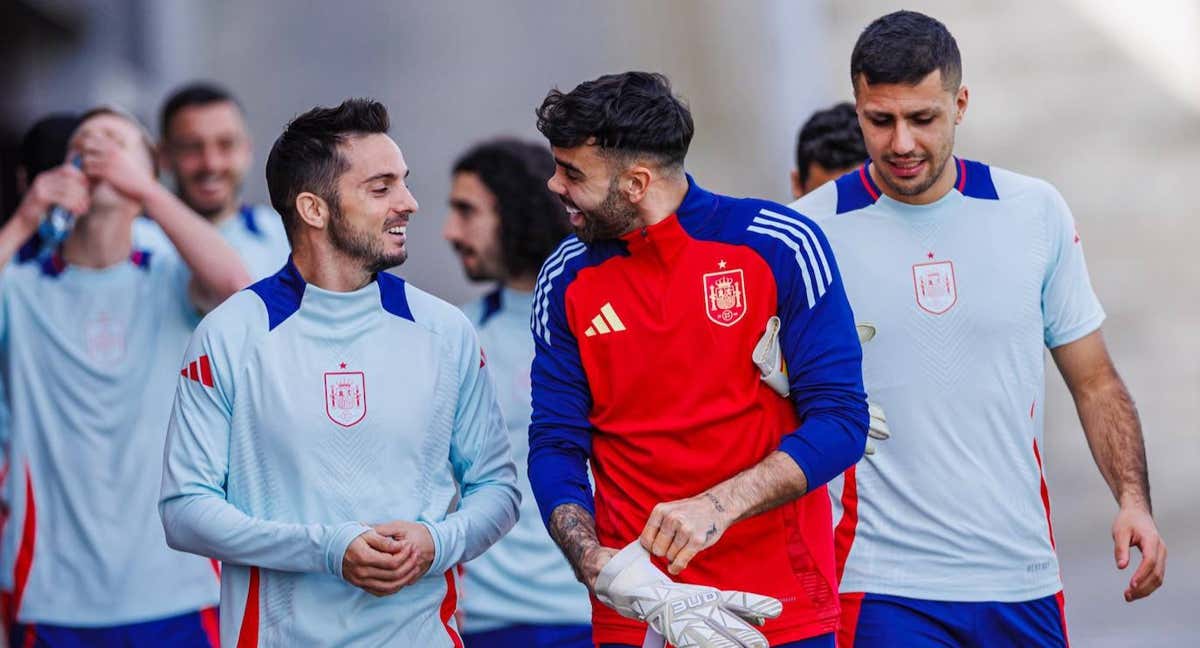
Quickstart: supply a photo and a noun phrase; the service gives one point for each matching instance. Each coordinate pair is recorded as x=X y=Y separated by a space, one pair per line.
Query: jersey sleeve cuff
x=1077 y=332
x=339 y=541
x=821 y=464
x=441 y=561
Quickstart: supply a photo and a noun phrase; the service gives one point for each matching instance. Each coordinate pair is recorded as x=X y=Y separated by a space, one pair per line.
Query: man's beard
x=359 y=245
x=613 y=217
x=209 y=212
x=936 y=167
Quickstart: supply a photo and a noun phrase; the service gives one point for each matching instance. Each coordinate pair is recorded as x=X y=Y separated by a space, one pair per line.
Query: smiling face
x=909 y=134
x=207 y=149
x=587 y=184
x=369 y=221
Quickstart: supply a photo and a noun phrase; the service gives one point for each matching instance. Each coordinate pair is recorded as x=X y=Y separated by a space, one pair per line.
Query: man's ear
x=636 y=182
x=313 y=210
x=960 y=104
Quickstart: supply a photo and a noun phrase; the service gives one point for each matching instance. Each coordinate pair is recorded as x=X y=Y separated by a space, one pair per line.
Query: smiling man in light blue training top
x=327 y=416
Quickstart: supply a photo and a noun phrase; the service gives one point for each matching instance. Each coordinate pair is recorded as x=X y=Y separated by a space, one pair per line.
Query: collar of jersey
x=53 y=264
x=667 y=238
x=284 y=292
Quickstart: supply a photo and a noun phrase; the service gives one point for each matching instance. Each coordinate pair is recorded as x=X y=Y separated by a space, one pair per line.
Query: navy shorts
x=190 y=630
x=879 y=620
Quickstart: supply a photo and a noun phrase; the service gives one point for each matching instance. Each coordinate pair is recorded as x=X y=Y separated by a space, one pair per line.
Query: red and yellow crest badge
x=725 y=296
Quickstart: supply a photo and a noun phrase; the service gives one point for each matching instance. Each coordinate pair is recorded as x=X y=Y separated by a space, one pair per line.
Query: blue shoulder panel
x=247 y=214
x=492 y=304
x=856 y=190
x=392 y=296
x=281 y=294
x=559 y=270
x=975 y=180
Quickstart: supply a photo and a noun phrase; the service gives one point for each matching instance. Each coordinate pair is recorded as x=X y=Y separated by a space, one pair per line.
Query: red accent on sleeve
x=206 y=377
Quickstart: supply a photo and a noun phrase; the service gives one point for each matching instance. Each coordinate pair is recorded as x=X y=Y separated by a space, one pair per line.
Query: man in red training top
x=645 y=323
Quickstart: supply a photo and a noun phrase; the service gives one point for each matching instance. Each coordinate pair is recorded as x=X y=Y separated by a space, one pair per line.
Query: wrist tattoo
x=715 y=502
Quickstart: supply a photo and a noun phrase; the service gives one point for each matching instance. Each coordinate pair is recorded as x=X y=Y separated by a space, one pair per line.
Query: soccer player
x=828 y=146
x=329 y=416
x=969 y=271
x=89 y=340
x=503 y=223
x=644 y=323
x=206 y=147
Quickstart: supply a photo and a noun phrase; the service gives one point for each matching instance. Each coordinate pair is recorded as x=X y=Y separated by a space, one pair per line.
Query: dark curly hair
x=306 y=157
x=904 y=47
x=532 y=218
x=832 y=138
x=628 y=114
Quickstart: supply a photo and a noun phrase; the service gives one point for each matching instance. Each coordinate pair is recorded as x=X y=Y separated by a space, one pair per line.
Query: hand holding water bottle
x=63 y=186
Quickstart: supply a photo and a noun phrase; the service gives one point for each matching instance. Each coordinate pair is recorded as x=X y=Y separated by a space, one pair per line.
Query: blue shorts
x=532 y=636
x=822 y=641
x=879 y=620
x=190 y=630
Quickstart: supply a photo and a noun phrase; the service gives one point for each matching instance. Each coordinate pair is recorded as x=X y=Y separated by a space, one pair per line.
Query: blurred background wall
x=1100 y=97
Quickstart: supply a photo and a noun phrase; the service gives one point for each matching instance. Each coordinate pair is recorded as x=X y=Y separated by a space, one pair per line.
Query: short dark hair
x=532 y=219
x=905 y=47
x=44 y=145
x=832 y=138
x=198 y=93
x=305 y=157
x=632 y=113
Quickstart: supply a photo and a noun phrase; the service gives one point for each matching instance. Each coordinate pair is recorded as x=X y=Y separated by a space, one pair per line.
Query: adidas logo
x=606 y=322
x=199 y=370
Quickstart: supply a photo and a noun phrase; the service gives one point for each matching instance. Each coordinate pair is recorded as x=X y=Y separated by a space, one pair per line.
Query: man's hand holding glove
x=687 y=616
x=768 y=356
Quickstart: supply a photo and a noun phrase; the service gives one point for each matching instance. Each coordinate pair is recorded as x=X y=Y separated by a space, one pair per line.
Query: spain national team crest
x=345 y=397
x=725 y=296
x=935 y=287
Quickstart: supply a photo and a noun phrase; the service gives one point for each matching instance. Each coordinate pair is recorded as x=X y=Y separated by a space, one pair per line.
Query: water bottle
x=58 y=222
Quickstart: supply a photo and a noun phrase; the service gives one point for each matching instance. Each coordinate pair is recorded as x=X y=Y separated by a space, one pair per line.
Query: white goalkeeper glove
x=768 y=356
x=687 y=616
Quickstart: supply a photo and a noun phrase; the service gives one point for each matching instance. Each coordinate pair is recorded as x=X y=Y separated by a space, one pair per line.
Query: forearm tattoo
x=574 y=530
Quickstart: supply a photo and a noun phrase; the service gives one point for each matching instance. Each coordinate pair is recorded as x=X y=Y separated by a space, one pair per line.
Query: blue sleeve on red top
x=819 y=341
x=560 y=434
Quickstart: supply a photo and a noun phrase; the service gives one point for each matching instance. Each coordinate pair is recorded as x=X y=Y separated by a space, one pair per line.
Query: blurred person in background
x=207 y=149
x=969 y=272
x=828 y=145
x=503 y=223
x=645 y=323
x=42 y=149
x=89 y=340
x=337 y=442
